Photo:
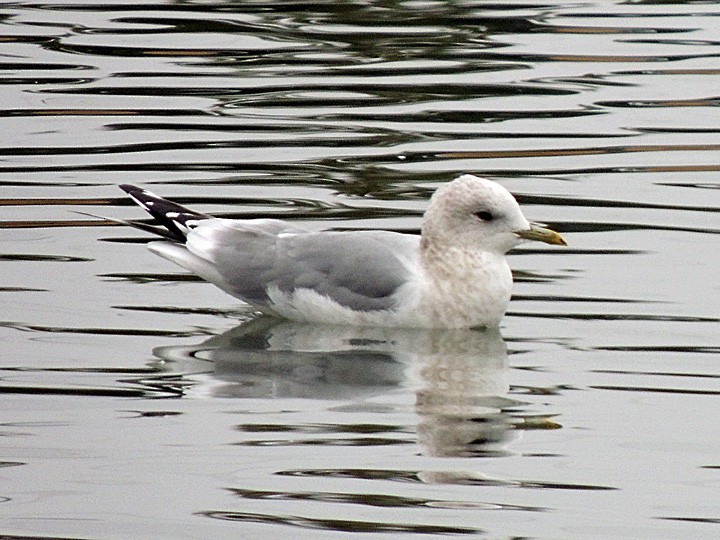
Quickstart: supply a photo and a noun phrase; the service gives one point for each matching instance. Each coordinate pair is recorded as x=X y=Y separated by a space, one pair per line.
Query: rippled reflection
x=459 y=376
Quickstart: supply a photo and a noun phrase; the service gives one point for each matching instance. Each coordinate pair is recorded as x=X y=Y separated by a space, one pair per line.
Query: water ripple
x=338 y=525
x=439 y=477
x=378 y=500
x=600 y=117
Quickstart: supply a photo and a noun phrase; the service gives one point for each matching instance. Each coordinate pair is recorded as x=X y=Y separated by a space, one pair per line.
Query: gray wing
x=359 y=270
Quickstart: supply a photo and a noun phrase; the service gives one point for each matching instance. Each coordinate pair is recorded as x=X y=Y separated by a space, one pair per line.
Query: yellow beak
x=536 y=232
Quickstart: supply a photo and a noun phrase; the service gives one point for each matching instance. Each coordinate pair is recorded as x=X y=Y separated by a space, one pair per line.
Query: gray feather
x=359 y=270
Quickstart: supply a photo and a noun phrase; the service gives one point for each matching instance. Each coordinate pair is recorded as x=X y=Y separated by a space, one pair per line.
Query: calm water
x=140 y=402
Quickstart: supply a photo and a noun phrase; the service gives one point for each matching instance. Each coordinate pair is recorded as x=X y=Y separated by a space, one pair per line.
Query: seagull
x=454 y=275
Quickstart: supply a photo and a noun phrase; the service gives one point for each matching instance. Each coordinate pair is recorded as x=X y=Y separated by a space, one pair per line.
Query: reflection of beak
x=536 y=232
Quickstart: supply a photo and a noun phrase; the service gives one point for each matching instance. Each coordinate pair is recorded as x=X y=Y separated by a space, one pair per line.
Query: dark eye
x=485 y=215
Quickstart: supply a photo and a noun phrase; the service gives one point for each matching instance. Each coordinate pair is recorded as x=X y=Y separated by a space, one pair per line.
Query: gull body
x=454 y=275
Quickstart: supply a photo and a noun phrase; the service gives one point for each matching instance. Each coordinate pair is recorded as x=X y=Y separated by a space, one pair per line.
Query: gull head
x=477 y=213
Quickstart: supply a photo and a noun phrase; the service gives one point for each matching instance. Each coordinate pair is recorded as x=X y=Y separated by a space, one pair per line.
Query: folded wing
x=359 y=270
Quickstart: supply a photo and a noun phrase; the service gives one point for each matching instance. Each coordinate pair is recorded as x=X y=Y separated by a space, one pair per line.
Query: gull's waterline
x=453 y=275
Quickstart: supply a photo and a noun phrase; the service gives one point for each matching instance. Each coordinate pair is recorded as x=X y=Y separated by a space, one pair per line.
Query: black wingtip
x=129 y=188
x=170 y=215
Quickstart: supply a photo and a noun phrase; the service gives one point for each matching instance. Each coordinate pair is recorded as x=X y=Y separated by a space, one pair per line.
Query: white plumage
x=454 y=275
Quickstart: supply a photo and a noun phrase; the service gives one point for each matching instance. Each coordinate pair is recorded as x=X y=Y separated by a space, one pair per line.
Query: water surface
x=140 y=402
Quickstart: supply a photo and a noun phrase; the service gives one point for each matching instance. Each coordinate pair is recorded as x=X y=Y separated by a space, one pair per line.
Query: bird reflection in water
x=462 y=384
x=459 y=376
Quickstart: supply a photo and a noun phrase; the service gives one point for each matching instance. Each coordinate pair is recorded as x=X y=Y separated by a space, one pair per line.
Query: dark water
x=135 y=403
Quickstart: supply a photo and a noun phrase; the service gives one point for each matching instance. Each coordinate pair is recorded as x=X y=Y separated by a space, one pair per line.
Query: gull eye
x=484 y=215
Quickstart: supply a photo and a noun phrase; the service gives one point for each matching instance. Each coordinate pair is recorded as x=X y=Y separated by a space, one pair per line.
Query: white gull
x=454 y=275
